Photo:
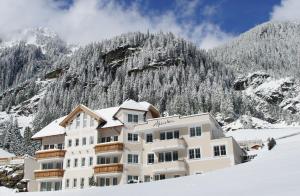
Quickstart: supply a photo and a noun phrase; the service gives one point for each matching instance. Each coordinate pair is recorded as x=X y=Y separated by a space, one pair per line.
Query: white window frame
x=133 y=158
x=195 y=127
x=194 y=149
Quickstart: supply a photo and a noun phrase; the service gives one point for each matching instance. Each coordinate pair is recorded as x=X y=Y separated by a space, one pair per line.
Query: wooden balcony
x=110 y=168
x=49 y=173
x=109 y=147
x=53 y=153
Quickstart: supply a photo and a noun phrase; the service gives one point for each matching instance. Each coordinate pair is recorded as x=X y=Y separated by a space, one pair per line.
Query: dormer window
x=78 y=121
x=133 y=118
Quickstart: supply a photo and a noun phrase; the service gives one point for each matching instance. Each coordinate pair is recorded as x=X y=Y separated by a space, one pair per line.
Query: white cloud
x=93 y=20
x=210 y=10
x=287 y=10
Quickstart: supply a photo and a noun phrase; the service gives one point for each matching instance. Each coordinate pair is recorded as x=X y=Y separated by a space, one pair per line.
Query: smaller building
x=6 y=157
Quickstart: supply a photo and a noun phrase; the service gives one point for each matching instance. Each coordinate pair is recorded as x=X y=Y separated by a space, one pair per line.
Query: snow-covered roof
x=108 y=115
x=131 y=104
x=5 y=154
x=50 y=130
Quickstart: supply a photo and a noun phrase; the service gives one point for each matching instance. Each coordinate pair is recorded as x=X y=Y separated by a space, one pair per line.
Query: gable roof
x=78 y=109
x=142 y=106
x=51 y=129
x=108 y=115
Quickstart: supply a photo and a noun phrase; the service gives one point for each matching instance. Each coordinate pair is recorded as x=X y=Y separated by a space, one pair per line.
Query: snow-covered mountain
x=42 y=78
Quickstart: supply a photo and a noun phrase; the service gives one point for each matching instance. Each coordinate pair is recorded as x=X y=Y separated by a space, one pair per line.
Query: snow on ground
x=263 y=134
x=273 y=173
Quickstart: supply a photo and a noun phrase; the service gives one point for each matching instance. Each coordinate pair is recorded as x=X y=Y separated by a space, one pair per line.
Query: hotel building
x=128 y=144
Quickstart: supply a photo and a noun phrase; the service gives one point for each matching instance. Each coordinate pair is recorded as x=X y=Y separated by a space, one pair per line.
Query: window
x=167 y=156
x=108 y=139
x=133 y=158
x=159 y=177
x=68 y=163
x=46 y=186
x=52 y=165
x=84 y=119
x=67 y=183
x=51 y=146
x=132 y=179
x=175 y=156
x=74 y=182
x=198 y=153
x=132 y=137
x=195 y=131
x=216 y=151
x=75 y=162
x=169 y=135
x=220 y=150
x=115 y=160
x=60 y=146
x=150 y=158
x=147 y=178
x=115 y=181
x=162 y=136
x=57 y=186
x=76 y=142
x=82 y=162
x=130 y=118
x=161 y=157
x=107 y=181
x=115 y=138
x=77 y=120
x=81 y=182
x=46 y=147
x=91 y=161
x=69 y=143
x=103 y=139
x=133 y=118
x=194 y=153
x=91 y=122
x=84 y=141
x=176 y=134
x=91 y=140
x=102 y=181
x=107 y=160
x=149 y=137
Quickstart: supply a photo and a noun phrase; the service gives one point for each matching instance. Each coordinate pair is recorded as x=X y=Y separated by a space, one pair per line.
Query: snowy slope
x=273 y=173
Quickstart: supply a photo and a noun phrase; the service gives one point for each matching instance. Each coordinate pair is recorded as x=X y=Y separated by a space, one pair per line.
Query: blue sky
x=234 y=16
x=207 y=23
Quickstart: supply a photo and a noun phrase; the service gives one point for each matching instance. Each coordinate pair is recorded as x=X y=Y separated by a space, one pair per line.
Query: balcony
x=49 y=173
x=166 y=145
x=169 y=167
x=109 y=168
x=53 y=153
x=109 y=148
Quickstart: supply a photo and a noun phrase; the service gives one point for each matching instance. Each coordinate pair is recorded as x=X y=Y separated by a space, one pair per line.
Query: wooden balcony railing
x=49 y=173
x=111 y=168
x=107 y=147
x=53 y=153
